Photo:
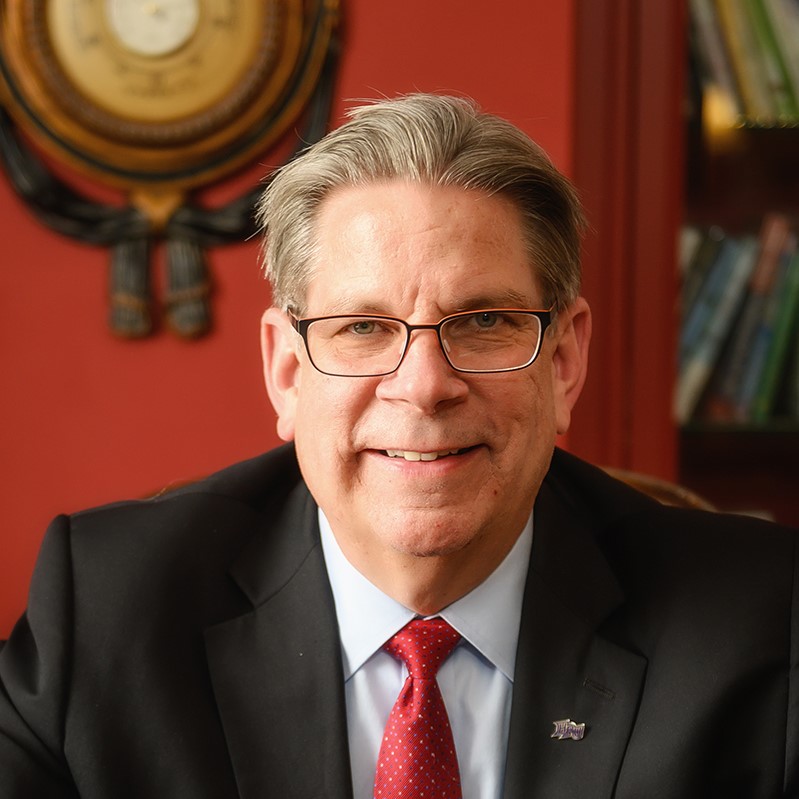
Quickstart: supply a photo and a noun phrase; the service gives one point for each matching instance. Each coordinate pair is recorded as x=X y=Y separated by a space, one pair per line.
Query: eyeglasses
x=478 y=342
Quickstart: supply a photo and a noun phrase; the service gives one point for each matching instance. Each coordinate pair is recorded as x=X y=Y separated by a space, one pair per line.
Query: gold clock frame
x=48 y=92
x=125 y=151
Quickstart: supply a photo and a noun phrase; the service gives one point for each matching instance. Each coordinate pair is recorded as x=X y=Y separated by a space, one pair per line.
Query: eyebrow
x=504 y=299
x=509 y=298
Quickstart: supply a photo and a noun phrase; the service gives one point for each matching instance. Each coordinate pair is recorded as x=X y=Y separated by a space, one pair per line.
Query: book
x=698 y=362
x=697 y=315
x=783 y=16
x=718 y=80
x=783 y=341
x=747 y=61
x=725 y=404
x=773 y=64
x=754 y=369
x=697 y=268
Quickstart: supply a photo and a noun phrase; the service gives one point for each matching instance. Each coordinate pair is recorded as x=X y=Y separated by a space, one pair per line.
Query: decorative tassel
x=130 y=314
x=187 y=310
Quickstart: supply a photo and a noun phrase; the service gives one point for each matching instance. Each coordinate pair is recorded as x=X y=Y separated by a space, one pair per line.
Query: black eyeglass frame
x=545 y=319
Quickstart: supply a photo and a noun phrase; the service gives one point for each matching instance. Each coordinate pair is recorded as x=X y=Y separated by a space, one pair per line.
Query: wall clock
x=157 y=98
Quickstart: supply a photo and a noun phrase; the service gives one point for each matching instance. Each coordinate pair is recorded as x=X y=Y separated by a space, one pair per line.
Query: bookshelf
x=739 y=428
x=632 y=112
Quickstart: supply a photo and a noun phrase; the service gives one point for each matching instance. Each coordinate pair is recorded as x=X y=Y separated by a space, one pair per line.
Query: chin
x=429 y=537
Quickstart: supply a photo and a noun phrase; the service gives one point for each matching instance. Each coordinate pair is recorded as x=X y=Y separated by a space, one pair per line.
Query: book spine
x=759 y=103
x=696 y=370
x=783 y=16
x=700 y=312
x=699 y=266
x=774 y=231
x=773 y=63
x=761 y=344
x=785 y=323
x=718 y=72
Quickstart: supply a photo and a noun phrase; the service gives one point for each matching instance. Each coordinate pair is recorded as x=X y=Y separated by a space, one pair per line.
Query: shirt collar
x=367 y=617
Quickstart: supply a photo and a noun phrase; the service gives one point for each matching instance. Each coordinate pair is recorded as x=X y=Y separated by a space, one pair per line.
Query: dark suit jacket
x=186 y=647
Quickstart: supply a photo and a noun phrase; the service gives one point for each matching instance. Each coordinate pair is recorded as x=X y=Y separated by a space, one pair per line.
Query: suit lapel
x=276 y=670
x=566 y=669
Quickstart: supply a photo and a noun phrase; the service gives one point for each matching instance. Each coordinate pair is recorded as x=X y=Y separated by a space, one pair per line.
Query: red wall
x=87 y=418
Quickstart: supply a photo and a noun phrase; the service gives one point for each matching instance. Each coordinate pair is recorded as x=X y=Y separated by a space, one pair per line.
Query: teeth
x=411 y=455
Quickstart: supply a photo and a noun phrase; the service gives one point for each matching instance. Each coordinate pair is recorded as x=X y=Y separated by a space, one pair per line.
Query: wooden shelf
x=732 y=183
x=744 y=469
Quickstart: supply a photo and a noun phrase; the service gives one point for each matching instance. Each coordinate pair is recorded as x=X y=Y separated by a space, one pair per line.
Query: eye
x=486 y=319
x=363 y=326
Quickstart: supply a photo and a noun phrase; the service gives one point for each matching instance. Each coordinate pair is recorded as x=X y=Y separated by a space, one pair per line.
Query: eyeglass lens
x=483 y=341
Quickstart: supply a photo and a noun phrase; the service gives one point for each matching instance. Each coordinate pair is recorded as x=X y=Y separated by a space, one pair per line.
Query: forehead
x=397 y=246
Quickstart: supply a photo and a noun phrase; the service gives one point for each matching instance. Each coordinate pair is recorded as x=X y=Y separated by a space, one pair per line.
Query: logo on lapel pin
x=566 y=728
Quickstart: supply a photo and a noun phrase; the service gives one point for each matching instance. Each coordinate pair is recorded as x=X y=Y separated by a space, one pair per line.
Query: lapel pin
x=566 y=728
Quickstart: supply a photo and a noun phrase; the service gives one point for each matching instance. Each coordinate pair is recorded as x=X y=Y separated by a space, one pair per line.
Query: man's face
x=419 y=253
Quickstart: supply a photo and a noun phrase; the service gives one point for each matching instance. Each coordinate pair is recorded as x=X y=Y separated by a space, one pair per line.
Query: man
x=248 y=635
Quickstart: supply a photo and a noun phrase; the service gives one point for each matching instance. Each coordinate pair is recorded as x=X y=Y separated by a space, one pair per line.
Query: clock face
x=153 y=27
x=160 y=87
x=124 y=65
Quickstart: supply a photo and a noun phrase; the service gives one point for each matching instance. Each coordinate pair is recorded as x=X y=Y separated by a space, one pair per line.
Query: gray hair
x=440 y=140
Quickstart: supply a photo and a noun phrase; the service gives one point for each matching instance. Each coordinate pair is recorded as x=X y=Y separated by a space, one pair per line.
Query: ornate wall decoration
x=158 y=98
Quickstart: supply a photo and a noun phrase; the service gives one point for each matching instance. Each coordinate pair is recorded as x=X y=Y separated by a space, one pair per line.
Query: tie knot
x=423 y=645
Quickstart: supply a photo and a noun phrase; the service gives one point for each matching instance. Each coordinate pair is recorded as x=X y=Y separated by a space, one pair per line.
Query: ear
x=570 y=359
x=281 y=368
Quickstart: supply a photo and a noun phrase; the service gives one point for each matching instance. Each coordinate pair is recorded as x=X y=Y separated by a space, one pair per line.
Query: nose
x=424 y=379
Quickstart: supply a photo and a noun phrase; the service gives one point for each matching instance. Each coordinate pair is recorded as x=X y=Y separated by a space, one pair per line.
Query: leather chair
x=662 y=490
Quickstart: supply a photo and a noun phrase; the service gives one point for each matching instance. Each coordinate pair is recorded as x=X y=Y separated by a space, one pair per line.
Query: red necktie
x=417 y=757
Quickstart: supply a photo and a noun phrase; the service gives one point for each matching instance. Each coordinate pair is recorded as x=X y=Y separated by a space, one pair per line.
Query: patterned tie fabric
x=417 y=757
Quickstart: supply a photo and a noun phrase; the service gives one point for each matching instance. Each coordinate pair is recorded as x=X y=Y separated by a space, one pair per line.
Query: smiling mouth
x=412 y=455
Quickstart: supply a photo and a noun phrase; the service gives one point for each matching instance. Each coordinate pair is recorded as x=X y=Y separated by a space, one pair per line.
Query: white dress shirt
x=476 y=681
